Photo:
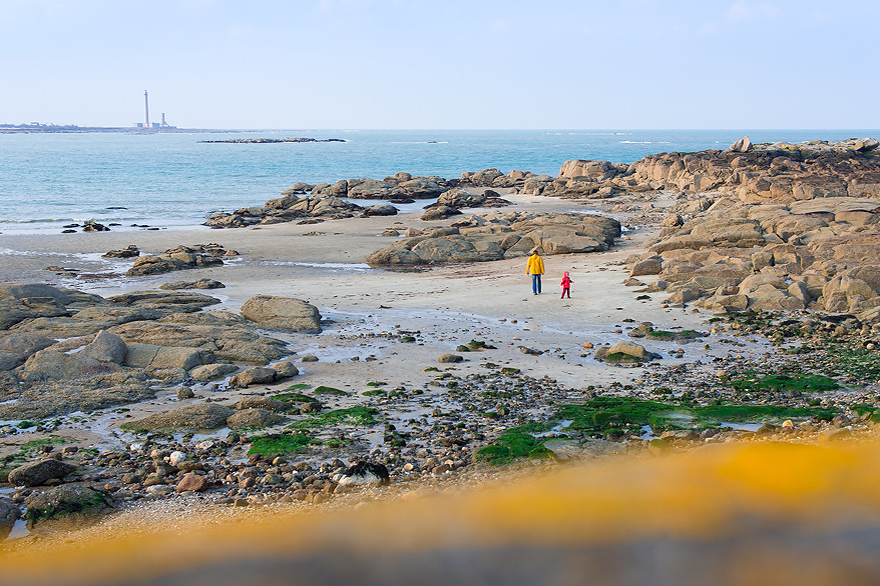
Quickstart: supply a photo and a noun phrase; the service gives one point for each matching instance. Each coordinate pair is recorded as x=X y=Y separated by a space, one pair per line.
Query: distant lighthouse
x=146 y=110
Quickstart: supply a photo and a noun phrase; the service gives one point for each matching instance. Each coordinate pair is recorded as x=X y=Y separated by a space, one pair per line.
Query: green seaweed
x=34 y=445
x=808 y=383
x=295 y=398
x=297 y=387
x=322 y=390
x=374 y=392
x=511 y=445
x=615 y=417
x=760 y=413
x=357 y=415
x=276 y=444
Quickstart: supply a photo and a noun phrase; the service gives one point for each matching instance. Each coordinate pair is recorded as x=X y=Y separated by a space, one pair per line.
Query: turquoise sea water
x=173 y=180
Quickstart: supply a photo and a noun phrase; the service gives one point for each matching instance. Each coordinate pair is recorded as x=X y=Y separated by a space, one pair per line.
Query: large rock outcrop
x=730 y=251
x=746 y=171
x=100 y=352
x=501 y=235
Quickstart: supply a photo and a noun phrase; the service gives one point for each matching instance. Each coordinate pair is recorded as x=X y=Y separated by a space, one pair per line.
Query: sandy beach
x=450 y=304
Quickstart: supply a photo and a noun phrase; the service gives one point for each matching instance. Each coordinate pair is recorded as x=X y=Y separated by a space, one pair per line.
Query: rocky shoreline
x=792 y=355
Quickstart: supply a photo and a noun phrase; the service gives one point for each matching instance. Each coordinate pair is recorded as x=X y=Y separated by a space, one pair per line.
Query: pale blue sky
x=442 y=63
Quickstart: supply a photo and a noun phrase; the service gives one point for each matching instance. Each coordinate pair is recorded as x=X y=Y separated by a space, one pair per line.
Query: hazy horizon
x=413 y=64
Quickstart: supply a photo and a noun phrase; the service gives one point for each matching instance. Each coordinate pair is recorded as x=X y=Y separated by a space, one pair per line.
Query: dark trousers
x=566 y=291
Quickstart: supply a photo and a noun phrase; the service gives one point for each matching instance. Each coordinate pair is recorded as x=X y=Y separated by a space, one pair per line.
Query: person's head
x=566 y=273
x=535 y=252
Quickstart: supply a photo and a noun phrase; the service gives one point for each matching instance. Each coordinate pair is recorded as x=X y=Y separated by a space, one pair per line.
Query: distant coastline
x=72 y=128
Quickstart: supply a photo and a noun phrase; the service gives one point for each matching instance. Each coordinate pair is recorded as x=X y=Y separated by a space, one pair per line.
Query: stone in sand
x=204 y=416
x=209 y=372
x=37 y=473
x=624 y=352
x=129 y=251
x=283 y=313
x=200 y=284
x=285 y=369
x=192 y=483
x=253 y=376
x=381 y=210
x=259 y=402
x=440 y=212
x=256 y=418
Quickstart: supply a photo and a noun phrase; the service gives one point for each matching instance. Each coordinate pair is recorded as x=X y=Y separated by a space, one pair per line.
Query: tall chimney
x=146 y=110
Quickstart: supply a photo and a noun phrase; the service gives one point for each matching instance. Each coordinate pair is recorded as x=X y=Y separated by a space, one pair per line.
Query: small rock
x=192 y=482
x=176 y=458
x=530 y=351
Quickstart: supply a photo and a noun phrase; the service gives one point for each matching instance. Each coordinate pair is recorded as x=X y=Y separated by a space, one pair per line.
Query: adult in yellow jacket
x=535 y=268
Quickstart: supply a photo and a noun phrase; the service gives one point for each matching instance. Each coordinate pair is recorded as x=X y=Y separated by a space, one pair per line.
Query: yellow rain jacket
x=535 y=265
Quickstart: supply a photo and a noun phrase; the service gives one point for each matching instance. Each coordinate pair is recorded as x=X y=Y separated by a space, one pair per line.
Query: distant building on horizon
x=146 y=123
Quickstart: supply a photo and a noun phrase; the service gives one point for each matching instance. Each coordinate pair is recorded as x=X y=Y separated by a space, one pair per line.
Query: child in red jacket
x=566 y=286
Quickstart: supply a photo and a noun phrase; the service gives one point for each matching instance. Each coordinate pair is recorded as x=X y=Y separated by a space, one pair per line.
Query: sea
x=174 y=180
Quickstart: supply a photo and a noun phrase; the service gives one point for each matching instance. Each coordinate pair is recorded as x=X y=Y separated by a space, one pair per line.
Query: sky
x=443 y=64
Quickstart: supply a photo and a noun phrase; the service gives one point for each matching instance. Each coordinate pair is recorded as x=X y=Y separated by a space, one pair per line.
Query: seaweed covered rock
x=67 y=505
x=624 y=353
